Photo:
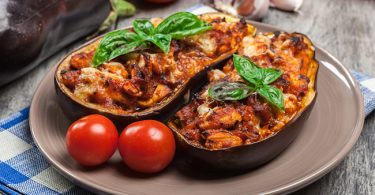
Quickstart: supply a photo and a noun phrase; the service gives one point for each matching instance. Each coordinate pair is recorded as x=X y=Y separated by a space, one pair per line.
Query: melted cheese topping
x=216 y=124
x=138 y=81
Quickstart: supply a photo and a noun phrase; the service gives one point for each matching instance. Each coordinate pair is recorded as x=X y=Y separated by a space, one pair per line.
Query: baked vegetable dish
x=230 y=96
x=254 y=95
x=143 y=78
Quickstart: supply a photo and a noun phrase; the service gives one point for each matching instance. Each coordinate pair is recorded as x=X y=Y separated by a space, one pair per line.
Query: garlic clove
x=261 y=9
x=287 y=5
x=253 y=9
x=227 y=6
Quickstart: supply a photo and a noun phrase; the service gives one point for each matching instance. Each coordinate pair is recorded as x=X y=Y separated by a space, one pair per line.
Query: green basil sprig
x=230 y=91
x=259 y=80
x=182 y=24
x=146 y=30
x=114 y=44
x=120 y=42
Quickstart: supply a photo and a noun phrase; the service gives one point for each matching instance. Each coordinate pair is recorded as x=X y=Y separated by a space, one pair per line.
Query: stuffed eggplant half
x=247 y=112
x=144 y=71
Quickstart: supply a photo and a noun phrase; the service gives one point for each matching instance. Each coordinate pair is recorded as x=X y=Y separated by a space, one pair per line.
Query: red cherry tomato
x=147 y=146
x=92 y=140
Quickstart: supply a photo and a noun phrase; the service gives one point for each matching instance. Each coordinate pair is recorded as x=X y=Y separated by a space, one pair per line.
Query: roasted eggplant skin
x=244 y=157
x=248 y=156
x=74 y=108
x=31 y=31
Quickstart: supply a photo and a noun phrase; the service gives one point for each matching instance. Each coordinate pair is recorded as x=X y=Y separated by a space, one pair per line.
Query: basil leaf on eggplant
x=273 y=95
x=229 y=91
x=182 y=24
x=162 y=41
x=259 y=80
x=254 y=74
x=114 y=44
x=269 y=75
x=247 y=69
x=120 y=42
x=144 y=28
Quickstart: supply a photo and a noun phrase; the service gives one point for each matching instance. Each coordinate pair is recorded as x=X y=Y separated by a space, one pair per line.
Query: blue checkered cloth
x=367 y=85
x=23 y=170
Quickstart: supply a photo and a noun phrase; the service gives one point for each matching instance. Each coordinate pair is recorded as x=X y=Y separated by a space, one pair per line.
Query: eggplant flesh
x=31 y=31
x=249 y=154
x=74 y=107
x=241 y=157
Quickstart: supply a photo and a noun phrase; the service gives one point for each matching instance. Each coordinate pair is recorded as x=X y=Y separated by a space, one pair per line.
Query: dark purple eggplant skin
x=75 y=109
x=245 y=157
x=33 y=30
x=163 y=111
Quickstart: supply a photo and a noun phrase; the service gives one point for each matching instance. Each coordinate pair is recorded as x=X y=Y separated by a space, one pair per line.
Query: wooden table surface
x=345 y=28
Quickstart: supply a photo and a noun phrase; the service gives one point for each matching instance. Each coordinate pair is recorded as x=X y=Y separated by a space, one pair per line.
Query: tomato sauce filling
x=141 y=80
x=206 y=122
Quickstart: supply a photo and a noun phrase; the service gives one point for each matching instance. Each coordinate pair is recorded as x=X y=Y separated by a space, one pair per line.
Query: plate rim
x=290 y=187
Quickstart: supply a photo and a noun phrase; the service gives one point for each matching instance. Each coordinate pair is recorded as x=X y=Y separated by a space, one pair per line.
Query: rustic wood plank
x=148 y=10
x=345 y=28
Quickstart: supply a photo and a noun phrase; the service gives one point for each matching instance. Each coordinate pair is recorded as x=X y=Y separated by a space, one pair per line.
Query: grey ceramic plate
x=332 y=129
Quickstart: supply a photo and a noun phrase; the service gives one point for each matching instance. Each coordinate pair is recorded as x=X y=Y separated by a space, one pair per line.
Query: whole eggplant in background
x=33 y=30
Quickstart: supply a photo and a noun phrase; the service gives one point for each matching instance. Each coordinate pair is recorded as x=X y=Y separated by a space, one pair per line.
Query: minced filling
x=222 y=124
x=141 y=80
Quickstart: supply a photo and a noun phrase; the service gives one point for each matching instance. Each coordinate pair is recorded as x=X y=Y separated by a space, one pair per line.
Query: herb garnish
x=120 y=42
x=258 y=81
x=230 y=91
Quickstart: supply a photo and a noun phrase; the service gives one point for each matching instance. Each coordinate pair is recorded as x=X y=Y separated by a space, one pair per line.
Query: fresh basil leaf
x=143 y=28
x=229 y=91
x=259 y=80
x=182 y=34
x=179 y=21
x=124 y=49
x=120 y=42
x=182 y=24
x=162 y=41
x=247 y=69
x=269 y=75
x=273 y=95
x=114 y=44
x=254 y=74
